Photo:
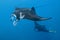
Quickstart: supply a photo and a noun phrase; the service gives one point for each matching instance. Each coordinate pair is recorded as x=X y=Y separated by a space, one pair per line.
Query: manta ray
x=30 y=14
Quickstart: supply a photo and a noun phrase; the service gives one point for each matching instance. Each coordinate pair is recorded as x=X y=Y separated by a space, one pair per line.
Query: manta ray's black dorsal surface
x=29 y=13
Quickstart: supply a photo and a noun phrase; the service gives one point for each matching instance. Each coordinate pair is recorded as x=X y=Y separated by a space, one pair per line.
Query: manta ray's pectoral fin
x=33 y=12
x=40 y=27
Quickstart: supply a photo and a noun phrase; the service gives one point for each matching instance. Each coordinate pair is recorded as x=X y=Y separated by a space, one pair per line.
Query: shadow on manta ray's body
x=30 y=14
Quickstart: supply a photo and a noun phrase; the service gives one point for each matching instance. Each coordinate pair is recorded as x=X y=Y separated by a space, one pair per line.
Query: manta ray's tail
x=41 y=28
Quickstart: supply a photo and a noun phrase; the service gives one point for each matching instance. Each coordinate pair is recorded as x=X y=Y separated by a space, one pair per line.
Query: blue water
x=25 y=28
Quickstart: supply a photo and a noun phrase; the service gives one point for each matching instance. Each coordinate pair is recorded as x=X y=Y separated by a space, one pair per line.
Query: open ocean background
x=25 y=28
